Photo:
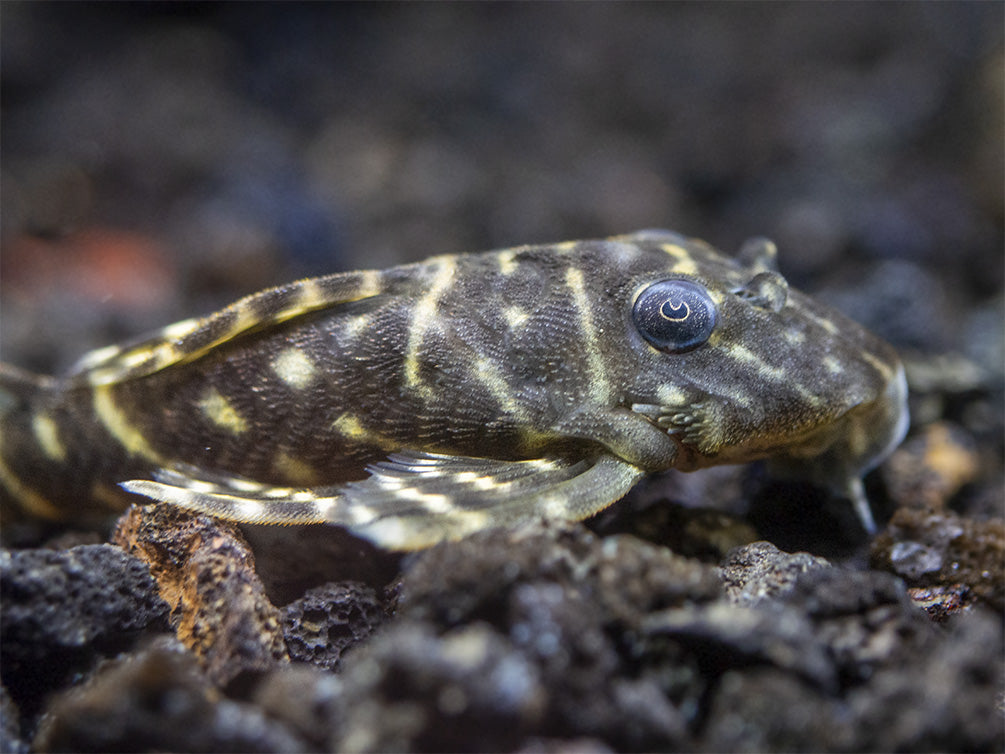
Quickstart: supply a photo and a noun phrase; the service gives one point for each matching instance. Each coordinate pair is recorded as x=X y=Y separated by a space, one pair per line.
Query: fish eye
x=674 y=315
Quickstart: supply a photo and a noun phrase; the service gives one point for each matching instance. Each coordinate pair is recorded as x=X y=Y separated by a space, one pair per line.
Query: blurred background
x=162 y=159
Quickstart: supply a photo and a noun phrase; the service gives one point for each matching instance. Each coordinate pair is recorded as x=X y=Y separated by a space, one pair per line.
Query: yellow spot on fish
x=554 y=507
x=107 y=495
x=369 y=285
x=323 y=505
x=515 y=317
x=683 y=262
x=821 y=322
x=180 y=329
x=250 y=509
x=47 y=434
x=484 y=483
x=880 y=366
x=671 y=396
x=795 y=337
x=599 y=386
x=432 y=502
x=423 y=316
x=353 y=326
x=245 y=319
x=491 y=376
x=200 y=487
x=294 y=368
x=507 y=262
x=95 y=358
x=142 y=359
x=245 y=485
x=33 y=502
x=350 y=427
x=295 y=470
x=218 y=410
x=358 y=513
x=745 y=355
x=832 y=365
x=119 y=426
x=310 y=296
x=137 y=357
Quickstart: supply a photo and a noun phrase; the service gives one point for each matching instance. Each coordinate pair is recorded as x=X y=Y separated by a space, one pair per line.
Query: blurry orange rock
x=123 y=268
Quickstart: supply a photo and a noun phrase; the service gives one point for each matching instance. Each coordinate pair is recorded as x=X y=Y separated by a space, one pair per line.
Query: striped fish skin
x=431 y=400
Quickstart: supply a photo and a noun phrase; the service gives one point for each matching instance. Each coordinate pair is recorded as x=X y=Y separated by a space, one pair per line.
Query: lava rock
x=723 y=636
x=760 y=571
x=929 y=468
x=944 y=695
x=744 y=714
x=205 y=570
x=411 y=690
x=10 y=726
x=158 y=700
x=320 y=626
x=304 y=698
x=942 y=549
x=624 y=576
x=863 y=619
x=570 y=606
x=901 y=684
x=942 y=602
x=60 y=611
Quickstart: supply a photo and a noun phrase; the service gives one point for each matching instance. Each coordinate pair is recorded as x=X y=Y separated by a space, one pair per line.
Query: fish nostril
x=766 y=290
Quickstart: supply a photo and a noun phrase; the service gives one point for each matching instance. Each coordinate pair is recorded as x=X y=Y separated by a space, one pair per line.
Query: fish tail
x=34 y=448
x=20 y=394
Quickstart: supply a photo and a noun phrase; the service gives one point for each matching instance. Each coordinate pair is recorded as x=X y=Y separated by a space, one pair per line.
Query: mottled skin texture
x=504 y=386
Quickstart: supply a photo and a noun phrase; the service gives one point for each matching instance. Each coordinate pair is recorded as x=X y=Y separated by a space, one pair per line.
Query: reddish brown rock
x=205 y=571
x=941 y=549
x=931 y=467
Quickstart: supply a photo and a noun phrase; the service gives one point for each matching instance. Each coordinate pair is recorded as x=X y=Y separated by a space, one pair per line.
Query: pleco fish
x=432 y=400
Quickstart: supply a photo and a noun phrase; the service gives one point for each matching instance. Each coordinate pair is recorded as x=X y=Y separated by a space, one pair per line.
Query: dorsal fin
x=191 y=338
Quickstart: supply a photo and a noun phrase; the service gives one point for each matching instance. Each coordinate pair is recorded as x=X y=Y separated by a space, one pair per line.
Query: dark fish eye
x=674 y=315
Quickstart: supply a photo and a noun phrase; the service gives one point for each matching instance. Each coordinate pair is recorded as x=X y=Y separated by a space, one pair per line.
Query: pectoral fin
x=412 y=500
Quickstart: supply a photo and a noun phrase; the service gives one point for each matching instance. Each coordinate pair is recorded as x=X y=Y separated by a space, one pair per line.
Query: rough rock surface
x=60 y=611
x=320 y=626
x=10 y=725
x=157 y=700
x=560 y=635
x=205 y=570
x=933 y=549
x=760 y=571
x=304 y=698
x=528 y=633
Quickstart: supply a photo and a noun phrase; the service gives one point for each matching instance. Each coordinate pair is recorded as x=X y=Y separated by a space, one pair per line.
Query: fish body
x=431 y=400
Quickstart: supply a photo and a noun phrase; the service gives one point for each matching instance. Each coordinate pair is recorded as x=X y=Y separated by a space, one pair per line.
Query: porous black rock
x=414 y=690
x=158 y=700
x=532 y=634
x=330 y=619
x=60 y=611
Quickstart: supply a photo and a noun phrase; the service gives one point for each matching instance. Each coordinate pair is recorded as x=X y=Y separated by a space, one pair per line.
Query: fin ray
x=412 y=500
